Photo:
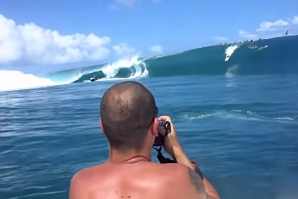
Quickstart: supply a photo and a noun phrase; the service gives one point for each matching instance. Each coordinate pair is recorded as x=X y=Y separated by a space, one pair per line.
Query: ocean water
x=234 y=108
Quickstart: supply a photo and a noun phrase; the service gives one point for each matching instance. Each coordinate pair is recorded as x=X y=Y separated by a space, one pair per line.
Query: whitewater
x=229 y=60
x=136 y=67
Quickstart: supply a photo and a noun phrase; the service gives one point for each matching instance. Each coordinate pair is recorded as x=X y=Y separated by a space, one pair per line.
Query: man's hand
x=171 y=140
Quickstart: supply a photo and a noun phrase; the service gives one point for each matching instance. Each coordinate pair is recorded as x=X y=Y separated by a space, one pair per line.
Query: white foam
x=137 y=66
x=194 y=116
x=233 y=114
x=15 y=80
x=237 y=115
x=262 y=47
x=111 y=70
x=285 y=118
x=229 y=51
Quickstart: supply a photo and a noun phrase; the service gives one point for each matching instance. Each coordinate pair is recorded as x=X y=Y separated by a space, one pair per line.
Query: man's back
x=129 y=119
x=144 y=180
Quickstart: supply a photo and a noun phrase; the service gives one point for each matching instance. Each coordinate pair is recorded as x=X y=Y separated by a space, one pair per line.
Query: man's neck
x=131 y=157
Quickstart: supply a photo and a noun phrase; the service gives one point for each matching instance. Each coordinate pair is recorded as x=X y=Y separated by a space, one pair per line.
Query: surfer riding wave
x=94 y=78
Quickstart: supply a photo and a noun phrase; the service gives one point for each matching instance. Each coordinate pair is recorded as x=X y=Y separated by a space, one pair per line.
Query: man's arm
x=173 y=147
x=195 y=174
x=200 y=187
x=77 y=189
x=198 y=184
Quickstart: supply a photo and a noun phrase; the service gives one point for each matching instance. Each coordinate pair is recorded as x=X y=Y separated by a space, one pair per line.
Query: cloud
x=156 y=49
x=129 y=3
x=123 y=49
x=247 y=35
x=295 y=20
x=275 y=28
x=30 y=44
x=275 y=25
x=221 y=38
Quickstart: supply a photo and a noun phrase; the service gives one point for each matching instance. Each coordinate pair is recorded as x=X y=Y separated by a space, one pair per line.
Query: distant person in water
x=129 y=121
x=94 y=78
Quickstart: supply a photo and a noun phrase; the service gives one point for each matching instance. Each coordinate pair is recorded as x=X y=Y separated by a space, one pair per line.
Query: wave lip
x=135 y=65
x=122 y=69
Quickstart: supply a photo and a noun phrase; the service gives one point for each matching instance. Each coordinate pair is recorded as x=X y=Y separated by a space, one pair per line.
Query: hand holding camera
x=164 y=128
x=167 y=138
x=167 y=135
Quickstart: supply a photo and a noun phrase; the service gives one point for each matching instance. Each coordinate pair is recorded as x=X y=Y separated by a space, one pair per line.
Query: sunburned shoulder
x=81 y=182
x=185 y=181
x=84 y=174
x=177 y=173
x=175 y=166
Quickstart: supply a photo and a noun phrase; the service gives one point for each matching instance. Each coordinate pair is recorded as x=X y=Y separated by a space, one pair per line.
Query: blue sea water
x=240 y=127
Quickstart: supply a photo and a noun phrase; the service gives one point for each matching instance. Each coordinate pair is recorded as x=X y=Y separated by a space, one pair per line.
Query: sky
x=57 y=33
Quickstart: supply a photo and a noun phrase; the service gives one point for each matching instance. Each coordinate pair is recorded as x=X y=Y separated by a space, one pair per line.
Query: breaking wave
x=270 y=56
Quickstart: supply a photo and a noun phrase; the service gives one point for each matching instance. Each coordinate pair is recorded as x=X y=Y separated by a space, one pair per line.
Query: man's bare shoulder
x=136 y=178
x=177 y=173
x=174 y=172
x=78 y=184
x=84 y=175
x=175 y=166
x=185 y=181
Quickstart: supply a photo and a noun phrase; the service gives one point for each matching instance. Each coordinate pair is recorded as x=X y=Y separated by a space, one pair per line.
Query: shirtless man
x=129 y=121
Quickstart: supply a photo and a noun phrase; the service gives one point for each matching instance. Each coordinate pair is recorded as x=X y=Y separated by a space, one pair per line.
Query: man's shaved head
x=127 y=111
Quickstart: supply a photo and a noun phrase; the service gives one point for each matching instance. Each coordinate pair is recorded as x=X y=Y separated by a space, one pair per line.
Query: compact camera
x=159 y=140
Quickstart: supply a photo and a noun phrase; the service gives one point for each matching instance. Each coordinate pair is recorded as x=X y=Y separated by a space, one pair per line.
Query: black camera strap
x=161 y=158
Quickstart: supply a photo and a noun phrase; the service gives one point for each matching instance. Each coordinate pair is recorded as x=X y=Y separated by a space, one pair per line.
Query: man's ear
x=101 y=126
x=154 y=127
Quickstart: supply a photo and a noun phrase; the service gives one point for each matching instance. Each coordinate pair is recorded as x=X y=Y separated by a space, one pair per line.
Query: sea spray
x=15 y=80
